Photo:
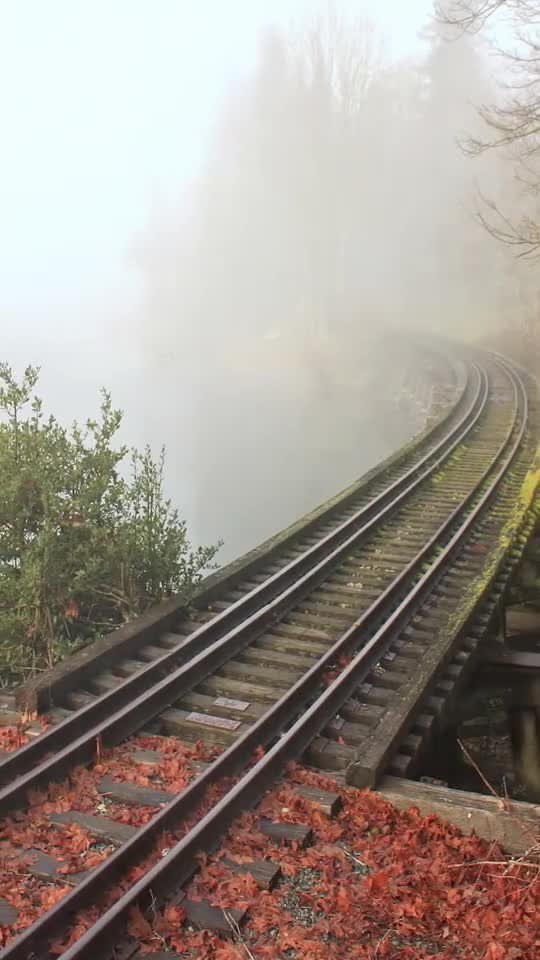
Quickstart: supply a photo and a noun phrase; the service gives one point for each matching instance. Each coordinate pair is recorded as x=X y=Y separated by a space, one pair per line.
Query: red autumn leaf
x=77 y=839
x=59 y=945
x=378 y=882
x=174 y=914
x=490 y=919
x=343 y=900
x=228 y=952
x=495 y=951
x=94 y=859
x=329 y=677
x=138 y=925
x=293 y=939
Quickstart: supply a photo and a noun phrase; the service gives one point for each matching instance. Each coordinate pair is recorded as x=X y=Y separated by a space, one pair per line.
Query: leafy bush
x=82 y=547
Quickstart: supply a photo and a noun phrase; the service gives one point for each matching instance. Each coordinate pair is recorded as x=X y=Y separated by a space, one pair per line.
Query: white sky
x=104 y=106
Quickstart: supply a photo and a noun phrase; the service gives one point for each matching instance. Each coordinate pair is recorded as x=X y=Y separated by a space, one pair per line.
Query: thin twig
x=351 y=856
x=156 y=934
x=494 y=863
x=507 y=807
x=239 y=939
x=382 y=939
x=486 y=783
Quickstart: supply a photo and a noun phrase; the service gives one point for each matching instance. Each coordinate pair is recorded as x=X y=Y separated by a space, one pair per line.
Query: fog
x=228 y=214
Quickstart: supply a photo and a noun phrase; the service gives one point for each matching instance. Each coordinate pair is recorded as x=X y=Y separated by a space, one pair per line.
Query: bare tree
x=512 y=124
x=333 y=200
x=336 y=63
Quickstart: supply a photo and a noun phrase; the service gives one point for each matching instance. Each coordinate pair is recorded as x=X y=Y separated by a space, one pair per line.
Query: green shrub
x=85 y=544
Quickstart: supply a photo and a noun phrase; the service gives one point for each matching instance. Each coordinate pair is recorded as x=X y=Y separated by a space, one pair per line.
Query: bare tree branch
x=514 y=122
x=524 y=235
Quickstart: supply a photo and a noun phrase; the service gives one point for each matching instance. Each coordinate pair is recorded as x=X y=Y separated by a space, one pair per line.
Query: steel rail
x=178 y=865
x=27 y=757
x=133 y=715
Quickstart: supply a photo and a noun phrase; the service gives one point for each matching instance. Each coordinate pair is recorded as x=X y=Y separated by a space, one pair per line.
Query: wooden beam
x=508 y=657
x=515 y=830
x=522 y=621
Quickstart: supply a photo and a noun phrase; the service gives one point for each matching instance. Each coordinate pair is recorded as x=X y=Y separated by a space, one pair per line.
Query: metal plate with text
x=232 y=704
x=210 y=721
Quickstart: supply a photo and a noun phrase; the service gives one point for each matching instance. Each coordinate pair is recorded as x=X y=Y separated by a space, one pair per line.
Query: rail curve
x=342 y=651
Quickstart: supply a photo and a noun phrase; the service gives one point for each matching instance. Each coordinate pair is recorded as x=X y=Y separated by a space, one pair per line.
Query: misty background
x=228 y=214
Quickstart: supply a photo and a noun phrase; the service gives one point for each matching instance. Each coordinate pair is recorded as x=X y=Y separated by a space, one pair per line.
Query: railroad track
x=77 y=710
x=347 y=647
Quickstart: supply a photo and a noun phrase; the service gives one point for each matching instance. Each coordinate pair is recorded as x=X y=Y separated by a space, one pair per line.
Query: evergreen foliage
x=85 y=544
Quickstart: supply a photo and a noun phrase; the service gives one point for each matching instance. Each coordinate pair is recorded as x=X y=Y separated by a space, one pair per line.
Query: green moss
x=518 y=526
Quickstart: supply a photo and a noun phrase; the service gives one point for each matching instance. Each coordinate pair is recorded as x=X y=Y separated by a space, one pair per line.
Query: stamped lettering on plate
x=233 y=704
x=209 y=721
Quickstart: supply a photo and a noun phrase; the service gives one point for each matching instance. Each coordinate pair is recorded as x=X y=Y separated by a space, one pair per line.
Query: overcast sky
x=105 y=105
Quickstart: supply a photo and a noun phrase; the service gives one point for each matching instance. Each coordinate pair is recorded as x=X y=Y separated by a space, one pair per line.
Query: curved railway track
x=346 y=647
x=296 y=567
